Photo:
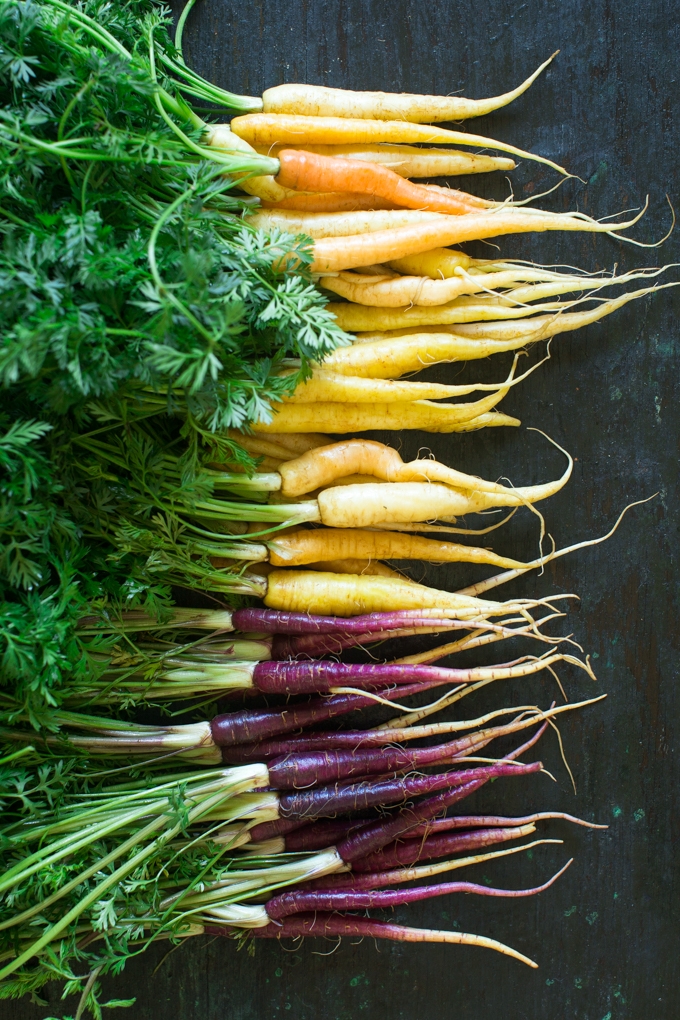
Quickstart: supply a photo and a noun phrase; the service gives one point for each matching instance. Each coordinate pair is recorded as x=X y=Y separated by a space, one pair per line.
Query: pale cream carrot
x=341 y=224
x=320 y=467
x=409 y=160
x=308 y=171
x=352 y=545
x=333 y=254
x=319 y=100
x=282 y=447
x=264 y=129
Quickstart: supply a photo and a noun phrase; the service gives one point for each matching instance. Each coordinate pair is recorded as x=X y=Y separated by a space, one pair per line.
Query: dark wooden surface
x=606 y=935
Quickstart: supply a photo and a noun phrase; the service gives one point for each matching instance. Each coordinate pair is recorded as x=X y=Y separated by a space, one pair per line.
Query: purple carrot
x=320 y=835
x=376 y=835
x=328 y=801
x=338 y=925
x=299 y=771
x=303 y=900
x=292 y=646
x=315 y=677
x=271 y=621
x=408 y=852
x=495 y=821
x=275 y=827
x=252 y=725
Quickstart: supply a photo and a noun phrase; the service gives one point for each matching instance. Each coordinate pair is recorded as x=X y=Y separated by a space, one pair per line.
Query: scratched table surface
x=605 y=935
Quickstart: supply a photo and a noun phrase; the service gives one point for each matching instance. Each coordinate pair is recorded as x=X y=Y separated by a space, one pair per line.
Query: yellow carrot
x=361 y=318
x=351 y=595
x=320 y=467
x=302 y=547
x=392 y=357
x=408 y=160
x=264 y=129
x=321 y=101
x=324 y=387
x=438 y=264
x=416 y=414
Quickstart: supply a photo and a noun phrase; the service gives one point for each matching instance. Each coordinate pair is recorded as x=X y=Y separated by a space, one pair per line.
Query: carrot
x=413 y=414
x=321 y=101
x=220 y=136
x=365 y=456
x=394 y=353
x=301 y=547
x=335 y=924
x=350 y=595
x=332 y=254
x=397 y=291
x=341 y=224
x=307 y=171
x=264 y=129
x=331 y=387
x=438 y=263
x=408 y=160
x=356 y=318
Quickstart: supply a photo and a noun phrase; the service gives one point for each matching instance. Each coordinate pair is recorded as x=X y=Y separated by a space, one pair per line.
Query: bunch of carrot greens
x=175 y=379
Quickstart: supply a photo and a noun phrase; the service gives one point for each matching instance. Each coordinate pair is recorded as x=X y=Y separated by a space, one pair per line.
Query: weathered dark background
x=606 y=935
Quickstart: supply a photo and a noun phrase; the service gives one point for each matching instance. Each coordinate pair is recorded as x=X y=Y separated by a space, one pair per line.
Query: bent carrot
x=415 y=414
x=264 y=129
x=408 y=160
x=297 y=548
x=332 y=254
x=366 y=457
x=319 y=100
x=307 y=171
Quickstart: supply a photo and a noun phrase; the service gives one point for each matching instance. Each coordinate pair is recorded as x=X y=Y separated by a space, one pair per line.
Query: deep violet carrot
x=336 y=925
x=407 y=852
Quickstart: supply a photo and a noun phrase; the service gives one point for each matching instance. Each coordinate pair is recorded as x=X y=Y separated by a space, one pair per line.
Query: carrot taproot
x=308 y=171
x=358 y=318
x=409 y=160
x=390 y=354
x=303 y=547
x=337 y=253
x=263 y=129
x=321 y=225
x=367 y=457
x=351 y=595
x=513 y=285
x=322 y=101
x=415 y=414
x=438 y=263
x=329 y=387
x=335 y=924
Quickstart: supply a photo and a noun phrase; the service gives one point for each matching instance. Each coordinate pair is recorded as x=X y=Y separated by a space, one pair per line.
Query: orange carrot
x=307 y=171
